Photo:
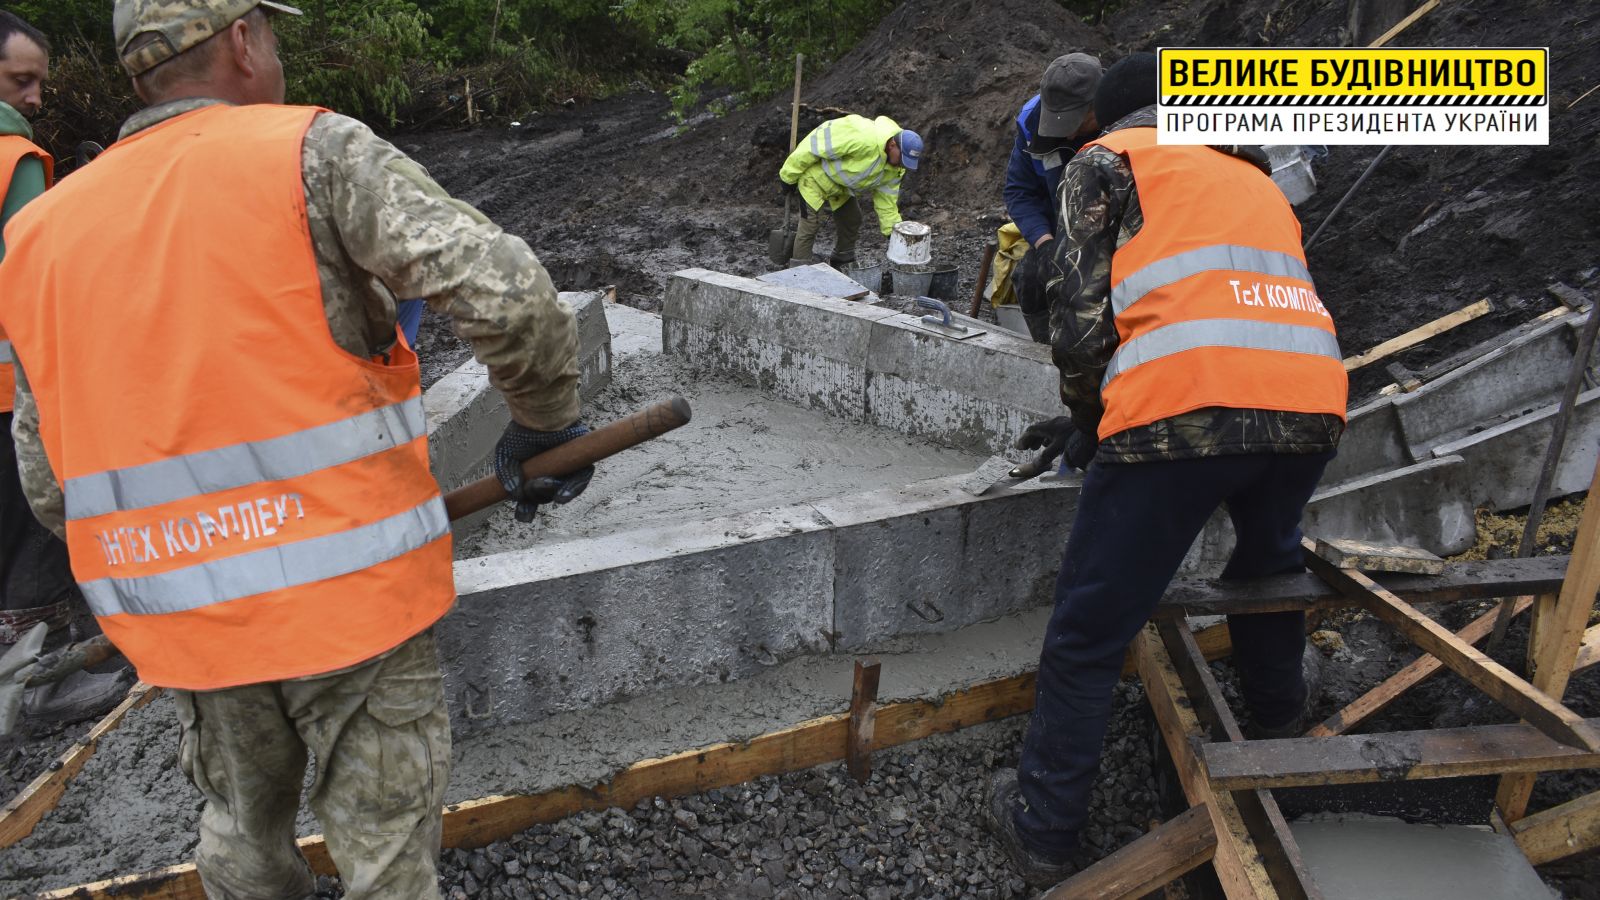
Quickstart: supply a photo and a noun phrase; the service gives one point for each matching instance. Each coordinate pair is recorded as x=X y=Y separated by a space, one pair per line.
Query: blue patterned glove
x=520 y=443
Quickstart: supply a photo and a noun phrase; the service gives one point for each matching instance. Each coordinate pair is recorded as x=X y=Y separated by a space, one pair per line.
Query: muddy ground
x=613 y=192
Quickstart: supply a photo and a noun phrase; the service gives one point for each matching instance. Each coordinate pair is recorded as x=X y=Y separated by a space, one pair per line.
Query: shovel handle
x=576 y=454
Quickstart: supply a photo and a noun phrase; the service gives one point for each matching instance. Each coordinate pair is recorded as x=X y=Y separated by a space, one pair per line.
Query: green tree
x=353 y=57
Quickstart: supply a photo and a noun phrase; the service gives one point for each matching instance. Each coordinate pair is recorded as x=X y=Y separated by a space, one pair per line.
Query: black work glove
x=789 y=190
x=1055 y=437
x=1031 y=282
x=520 y=443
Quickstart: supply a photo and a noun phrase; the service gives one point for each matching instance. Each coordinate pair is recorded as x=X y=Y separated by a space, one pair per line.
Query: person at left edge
x=235 y=449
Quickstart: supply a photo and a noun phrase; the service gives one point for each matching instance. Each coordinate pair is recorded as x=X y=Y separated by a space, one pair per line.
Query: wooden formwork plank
x=1465 y=660
x=1403 y=24
x=1417 y=335
x=1419 y=670
x=18 y=817
x=1395 y=756
x=1556 y=635
x=1589 y=652
x=1280 y=853
x=1165 y=854
x=1238 y=861
x=1304 y=592
x=1559 y=832
x=479 y=822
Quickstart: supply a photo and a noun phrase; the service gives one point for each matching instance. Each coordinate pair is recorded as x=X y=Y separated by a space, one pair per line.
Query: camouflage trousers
x=381 y=740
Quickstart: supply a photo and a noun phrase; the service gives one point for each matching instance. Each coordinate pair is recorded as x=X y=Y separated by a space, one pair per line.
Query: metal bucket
x=1010 y=317
x=909 y=284
x=911 y=244
x=869 y=277
x=943 y=284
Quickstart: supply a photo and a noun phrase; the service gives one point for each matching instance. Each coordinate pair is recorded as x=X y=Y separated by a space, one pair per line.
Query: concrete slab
x=1504 y=459
x=591 y=621
x=818 y=278
x=1428 y=505
x=1358 y=858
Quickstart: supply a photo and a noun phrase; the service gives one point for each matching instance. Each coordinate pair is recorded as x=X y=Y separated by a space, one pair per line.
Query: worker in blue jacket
x=1050 y=129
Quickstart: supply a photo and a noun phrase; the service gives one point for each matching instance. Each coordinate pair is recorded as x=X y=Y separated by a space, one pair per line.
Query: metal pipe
x=1348 y=194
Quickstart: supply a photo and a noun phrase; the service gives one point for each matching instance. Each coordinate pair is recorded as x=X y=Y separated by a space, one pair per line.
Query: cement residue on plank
x=743 y=451
x=132 y=810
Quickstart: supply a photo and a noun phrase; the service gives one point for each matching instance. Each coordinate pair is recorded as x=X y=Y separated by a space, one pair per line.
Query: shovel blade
x=780 y=245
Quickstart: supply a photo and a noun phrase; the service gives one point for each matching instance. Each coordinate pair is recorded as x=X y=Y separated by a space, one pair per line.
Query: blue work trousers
x=1135 y=522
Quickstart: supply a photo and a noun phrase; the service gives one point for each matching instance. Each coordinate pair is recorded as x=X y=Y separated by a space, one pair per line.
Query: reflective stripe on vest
x=1243 y=334
x=208 y=471
x=1212 y=300
x=1227 y=257
x=833 y=164
x=246 y=502
x=14 y=148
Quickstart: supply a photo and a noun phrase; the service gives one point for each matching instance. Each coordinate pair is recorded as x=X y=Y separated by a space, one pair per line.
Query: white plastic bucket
x=911 y=244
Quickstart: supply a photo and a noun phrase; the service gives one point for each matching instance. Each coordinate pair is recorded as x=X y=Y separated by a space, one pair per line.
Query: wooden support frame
x=1167 y=853
x=863 y=708
x=1561 y=831
x=1461 y=657
x=1556 y=635
x=477 y=823
x=1238 y=859
x=1280 y=854
x=23 y=812
x=1395 y=756
x=1419 y=670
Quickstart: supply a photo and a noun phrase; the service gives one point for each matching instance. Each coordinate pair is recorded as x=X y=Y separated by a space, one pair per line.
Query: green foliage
x=353 y=57
x=748 y=46
x=406 y=62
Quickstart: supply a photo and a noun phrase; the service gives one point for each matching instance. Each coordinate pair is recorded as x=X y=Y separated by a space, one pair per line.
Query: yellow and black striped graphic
x=1301 y=77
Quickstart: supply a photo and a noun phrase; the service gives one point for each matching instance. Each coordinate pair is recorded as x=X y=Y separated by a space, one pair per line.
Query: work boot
x=1004 y=796
x=842 y=262
x=81 y=695
x=1311 y=672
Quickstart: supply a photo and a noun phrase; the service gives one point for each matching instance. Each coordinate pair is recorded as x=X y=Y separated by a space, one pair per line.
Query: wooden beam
x=863 y=703
x=1559 y=832
x=477 y=823
x=1405 y=23
x=1165 y=854
x=1589 y=653
x=1370 y=557
x=1556 y=634
x=1460 y=657
x=1417 y=335
x=1396 y=756
x=1280 y=853
x=1214 y=641
x=1421 y=669
x=1238 y=859
x=18 y=817
x=1461 y=581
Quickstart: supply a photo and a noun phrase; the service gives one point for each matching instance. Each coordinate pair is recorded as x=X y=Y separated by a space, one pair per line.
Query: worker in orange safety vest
x=1201 y=368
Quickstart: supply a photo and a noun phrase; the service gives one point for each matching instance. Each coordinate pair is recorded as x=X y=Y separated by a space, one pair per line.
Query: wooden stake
x=1165 y=854
x=1421 y=669
x=1405 y=23
x=1417 y=335
x=863 y=706
x=18 y=818
x=1462 y=658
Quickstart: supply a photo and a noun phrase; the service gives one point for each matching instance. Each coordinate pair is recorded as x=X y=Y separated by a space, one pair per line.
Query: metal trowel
x=997 y=471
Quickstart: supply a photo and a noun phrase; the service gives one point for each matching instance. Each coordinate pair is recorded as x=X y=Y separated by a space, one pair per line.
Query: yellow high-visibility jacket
x=844 y=157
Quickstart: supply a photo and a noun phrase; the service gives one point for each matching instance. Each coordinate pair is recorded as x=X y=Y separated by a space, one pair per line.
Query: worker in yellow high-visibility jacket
x=840 y=161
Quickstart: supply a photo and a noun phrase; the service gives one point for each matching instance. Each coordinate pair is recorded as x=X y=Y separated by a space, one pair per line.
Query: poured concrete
x=1364 y=858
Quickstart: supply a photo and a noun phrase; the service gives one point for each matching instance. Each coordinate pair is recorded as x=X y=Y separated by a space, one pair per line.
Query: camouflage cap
x=177 y=24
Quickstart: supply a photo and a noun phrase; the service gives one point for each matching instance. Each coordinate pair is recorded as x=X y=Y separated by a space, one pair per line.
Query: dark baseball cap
x=1067 y=93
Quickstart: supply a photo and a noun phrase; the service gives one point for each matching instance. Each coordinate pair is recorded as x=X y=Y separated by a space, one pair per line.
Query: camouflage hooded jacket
x=1100 y=206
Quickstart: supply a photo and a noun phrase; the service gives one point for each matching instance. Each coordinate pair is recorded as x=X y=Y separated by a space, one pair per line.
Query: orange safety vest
x=1213 y=303
x=245 y=501
x=14 y=148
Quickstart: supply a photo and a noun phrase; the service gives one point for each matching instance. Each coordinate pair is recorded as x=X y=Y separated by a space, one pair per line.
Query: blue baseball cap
x=910 y=149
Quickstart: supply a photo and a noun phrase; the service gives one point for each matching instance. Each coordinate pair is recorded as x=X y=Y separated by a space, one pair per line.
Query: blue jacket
x=1030 y=191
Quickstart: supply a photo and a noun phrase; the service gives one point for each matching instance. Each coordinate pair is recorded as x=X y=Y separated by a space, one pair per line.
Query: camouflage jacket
x=1100 y=206
x=381 y=228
